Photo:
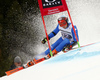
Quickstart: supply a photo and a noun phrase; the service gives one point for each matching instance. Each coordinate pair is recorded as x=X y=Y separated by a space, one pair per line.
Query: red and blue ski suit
x=68 y=37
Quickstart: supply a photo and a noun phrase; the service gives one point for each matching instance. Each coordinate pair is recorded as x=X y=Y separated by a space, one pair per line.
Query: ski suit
x=67 y=38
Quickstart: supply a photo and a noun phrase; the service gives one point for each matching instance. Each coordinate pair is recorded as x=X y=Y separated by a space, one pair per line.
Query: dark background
x=13 y=34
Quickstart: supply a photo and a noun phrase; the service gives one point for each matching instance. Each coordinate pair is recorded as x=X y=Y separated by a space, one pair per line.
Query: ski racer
x=67 y=38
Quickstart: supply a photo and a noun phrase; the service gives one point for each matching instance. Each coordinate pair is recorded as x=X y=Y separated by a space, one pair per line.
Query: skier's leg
x=62 y=44
x=53 y=46
x=60 y=47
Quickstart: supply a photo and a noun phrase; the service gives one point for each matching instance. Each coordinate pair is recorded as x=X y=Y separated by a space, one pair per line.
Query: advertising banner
x=48 y=7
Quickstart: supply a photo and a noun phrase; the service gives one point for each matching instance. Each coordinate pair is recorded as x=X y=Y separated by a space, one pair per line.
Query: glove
x=44 y=40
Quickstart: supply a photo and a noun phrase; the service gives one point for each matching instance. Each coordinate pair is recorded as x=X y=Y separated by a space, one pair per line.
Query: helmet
x=62 y=21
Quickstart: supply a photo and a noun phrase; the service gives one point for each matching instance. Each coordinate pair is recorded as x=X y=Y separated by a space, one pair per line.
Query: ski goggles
x=62 y=23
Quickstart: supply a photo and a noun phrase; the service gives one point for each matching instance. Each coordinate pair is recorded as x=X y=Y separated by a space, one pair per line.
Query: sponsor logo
x=51 y=3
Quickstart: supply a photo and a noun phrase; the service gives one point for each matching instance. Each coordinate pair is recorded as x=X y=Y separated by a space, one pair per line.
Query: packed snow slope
x=78 y=64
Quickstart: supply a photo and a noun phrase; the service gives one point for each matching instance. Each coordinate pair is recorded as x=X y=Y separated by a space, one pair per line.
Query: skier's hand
x=44 y=40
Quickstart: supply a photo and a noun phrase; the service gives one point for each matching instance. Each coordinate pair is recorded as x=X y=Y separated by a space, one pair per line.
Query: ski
x=39 y=60
x=14 y=70
x=23 y=67
x=66 y=50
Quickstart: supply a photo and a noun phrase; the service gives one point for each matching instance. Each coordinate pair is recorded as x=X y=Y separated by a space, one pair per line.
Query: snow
x=78 y=64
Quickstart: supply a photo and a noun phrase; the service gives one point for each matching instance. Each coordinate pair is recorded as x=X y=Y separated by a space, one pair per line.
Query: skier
x=67 y=39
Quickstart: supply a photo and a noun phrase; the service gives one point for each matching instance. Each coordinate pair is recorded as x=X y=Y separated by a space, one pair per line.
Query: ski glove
x=45 y=40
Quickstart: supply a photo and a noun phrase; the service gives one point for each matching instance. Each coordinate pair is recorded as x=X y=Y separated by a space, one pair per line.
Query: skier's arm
x=73 y=34
x=52 y=34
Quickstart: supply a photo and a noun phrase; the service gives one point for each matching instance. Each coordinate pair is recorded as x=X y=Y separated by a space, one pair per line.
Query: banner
x=48 y=7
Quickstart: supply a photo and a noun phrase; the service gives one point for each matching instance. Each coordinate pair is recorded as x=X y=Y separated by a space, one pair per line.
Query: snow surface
x=78 y=64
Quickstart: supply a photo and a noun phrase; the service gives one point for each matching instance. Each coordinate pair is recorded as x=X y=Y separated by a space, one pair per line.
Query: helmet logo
x=50 y=1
